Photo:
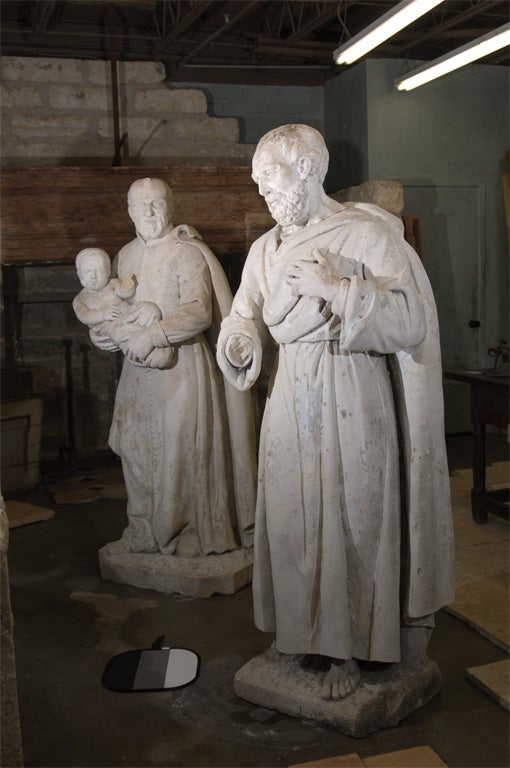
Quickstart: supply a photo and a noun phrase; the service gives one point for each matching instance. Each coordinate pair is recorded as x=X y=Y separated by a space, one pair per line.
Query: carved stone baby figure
x=106 y=304
x=102 y=297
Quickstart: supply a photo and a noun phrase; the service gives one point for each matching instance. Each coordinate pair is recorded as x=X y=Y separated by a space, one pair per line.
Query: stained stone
x=187 y=576
x=383 y=699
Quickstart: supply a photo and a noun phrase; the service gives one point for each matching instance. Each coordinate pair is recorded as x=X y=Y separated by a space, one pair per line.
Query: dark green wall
x=453 y=132
x=346 y=128
x=259 y=108
x=445 y=142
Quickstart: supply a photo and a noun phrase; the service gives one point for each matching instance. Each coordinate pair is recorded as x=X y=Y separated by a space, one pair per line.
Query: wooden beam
x=70 y=208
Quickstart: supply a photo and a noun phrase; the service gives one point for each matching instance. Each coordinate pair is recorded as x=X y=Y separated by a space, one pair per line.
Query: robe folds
x=350 y=537
x=185 y=436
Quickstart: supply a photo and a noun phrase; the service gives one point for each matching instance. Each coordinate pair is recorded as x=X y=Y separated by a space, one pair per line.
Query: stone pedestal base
x=187 y=576
x=383 y=699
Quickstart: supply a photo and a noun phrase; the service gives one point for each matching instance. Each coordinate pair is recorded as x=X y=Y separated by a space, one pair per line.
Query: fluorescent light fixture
x=478 y=48
x=380 y=30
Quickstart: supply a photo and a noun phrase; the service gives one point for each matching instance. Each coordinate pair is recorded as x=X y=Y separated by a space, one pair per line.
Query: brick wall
x=60 y=110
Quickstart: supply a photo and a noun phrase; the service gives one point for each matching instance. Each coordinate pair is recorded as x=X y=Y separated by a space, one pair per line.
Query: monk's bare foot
x=341 y=679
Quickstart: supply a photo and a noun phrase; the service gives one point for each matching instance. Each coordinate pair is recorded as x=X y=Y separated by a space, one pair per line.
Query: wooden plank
x=49 y=214
x=416 y=757
x=342 y=761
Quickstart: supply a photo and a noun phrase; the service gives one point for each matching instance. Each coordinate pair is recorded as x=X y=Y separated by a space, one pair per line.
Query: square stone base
x=187 y=576
x=383 y=699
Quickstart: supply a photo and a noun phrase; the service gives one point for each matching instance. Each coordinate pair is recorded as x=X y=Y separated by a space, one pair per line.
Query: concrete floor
x=68 y=624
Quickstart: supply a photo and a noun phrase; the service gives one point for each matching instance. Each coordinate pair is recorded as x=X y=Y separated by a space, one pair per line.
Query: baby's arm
x=125 y=288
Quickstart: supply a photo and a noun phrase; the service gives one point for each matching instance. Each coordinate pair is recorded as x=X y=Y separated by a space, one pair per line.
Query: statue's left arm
x=194 y=313
x=381 y=307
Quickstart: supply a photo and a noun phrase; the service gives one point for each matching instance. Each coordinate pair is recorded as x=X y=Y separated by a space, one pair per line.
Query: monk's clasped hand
x=317 y=277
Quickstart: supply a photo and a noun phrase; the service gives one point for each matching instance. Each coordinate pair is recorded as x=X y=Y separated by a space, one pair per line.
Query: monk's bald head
x=150 y=206
x=155 y=188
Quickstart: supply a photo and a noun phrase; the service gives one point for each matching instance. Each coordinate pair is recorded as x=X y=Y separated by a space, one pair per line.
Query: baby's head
x=93 y=268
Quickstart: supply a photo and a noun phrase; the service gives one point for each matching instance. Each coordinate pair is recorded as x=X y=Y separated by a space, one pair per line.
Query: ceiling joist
x=237 y=40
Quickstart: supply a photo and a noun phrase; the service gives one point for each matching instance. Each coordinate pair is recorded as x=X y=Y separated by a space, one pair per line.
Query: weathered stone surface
x=39 y=150
x=166 y=100
x=63 y=105
x=203 y=127
x=40 y=69
x=191 y=152
x=127 y=72
x=93 y=148
x=137 y=127
x=386 y=194
x=383 y=699
x=26 y=126
x=76 y=98
x=191 y=577
x=175 y=132
x=20 y=97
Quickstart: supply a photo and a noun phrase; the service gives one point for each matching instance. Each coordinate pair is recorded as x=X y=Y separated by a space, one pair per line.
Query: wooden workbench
x=489 y=405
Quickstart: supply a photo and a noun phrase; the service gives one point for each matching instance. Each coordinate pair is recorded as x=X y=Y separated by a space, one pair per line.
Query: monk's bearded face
x=288 y=208
x=281 y=185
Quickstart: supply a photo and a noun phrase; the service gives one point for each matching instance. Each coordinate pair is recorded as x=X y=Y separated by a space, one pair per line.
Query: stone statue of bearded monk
x=353 y=537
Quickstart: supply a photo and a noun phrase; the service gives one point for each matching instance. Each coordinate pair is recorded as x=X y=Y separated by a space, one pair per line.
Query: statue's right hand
x=101 y=340
x=239 y=350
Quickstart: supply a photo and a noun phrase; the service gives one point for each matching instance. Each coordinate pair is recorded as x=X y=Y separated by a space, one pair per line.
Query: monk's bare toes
x=341 y=679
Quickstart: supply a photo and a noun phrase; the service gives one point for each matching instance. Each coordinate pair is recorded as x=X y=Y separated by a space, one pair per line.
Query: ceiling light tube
x=380 y=30
x=482 y=46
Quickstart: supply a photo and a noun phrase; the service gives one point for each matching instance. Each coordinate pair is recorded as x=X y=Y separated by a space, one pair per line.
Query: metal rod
x=117 y=160
x=68 y=343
